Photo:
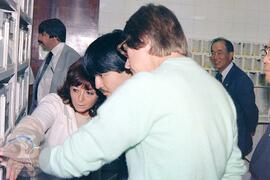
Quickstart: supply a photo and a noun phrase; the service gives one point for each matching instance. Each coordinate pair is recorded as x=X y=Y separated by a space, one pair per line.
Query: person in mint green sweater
x=172 y=119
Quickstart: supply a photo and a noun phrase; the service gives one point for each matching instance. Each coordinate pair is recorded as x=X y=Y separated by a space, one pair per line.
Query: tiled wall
x=237 y=20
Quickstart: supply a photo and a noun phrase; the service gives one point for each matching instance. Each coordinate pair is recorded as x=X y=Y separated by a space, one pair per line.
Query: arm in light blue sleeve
x=235 y=168
x=120 y=124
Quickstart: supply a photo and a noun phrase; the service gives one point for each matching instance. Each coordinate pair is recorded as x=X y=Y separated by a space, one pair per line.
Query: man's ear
x=231 y=55
x=147 y=44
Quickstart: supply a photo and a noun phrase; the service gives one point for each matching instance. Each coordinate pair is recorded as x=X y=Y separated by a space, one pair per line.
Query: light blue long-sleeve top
x=176 y=122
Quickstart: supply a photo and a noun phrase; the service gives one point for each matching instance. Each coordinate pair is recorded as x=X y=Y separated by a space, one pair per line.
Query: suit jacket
x=241 y=89
x=67 y=57
x=260 y=161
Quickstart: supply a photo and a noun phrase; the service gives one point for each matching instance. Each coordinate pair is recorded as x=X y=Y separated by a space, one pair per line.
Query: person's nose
x=81 y=96
x=98 y=82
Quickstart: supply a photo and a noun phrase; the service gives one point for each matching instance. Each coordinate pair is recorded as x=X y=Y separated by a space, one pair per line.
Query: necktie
x=219 y=77
x=37 y=81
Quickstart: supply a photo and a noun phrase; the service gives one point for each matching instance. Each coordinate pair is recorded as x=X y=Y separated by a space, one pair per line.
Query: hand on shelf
x=13 y=168
x=19 y=158
x=20 y=151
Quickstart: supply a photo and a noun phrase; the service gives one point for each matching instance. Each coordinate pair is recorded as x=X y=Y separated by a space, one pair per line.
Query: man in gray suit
x=52 y=73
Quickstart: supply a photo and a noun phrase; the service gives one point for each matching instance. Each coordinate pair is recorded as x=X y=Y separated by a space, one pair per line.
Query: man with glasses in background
x=241 y=89
x=260 y=161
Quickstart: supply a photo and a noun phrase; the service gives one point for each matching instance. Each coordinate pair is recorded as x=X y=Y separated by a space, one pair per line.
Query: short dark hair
x=160 y=26
x=102 y=55
x=77 y=76
x=54 y=28
x=228 y=44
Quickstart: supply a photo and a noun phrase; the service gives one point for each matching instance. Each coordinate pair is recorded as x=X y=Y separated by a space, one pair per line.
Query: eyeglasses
x=218 y=54
x=265 y=51
x=122 y=48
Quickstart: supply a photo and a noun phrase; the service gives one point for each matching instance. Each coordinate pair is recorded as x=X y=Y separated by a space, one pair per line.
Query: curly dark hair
x=77 y=76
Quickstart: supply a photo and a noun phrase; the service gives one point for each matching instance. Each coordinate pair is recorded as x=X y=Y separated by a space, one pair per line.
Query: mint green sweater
x=175 y=123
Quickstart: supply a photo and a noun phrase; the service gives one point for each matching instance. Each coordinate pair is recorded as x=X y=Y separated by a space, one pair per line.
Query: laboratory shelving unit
x=15 y=41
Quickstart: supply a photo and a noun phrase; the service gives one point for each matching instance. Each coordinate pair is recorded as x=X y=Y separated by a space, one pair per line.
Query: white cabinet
x=248 y=57
x=15 y=41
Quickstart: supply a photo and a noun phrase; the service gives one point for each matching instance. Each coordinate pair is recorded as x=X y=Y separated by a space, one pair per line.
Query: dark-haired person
x=103 y=61
x=52 y=72
x=56 y=117
x=241 y=89
x=173 y=120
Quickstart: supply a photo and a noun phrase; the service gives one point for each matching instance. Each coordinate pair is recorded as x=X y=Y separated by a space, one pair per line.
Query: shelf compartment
x=263 y=103
x=8 y=5
x=237 y=48
x=246 y=49
x=25 y=20
x=198 y=58
x=261 y=80
x=258 y=65
x=254 y=77
x=206 y=45
x=6 y=74
x=248 y=64
x=11 y=42
x=5 y=106
x=2 y=115
x=256 y=50
x=206 y=62
x=238 y=61
x=21 y=93
x=196 y=46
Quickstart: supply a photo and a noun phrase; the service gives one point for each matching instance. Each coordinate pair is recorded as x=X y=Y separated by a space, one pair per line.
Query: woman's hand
x=17 y=156
x=13 y=168
x=20 y=151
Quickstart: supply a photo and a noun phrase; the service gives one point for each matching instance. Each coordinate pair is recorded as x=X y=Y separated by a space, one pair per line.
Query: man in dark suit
x=241 y=90
x=52 y=72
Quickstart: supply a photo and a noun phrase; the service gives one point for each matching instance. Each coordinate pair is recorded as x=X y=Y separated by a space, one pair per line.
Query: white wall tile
x=246 y=20
x=251 y=30
x=200 y=12
x=263 y=5
x=228 y=4
x=187 y=26
x=226 y=15
x=253 y=5
x=240 y=4
x=238 y=32
x=188 y=2
x=224 y=29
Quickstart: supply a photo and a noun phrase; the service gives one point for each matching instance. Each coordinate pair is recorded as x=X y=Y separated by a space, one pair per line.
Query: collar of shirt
x=56 y=53
x=46 y=80
x=226 y=71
